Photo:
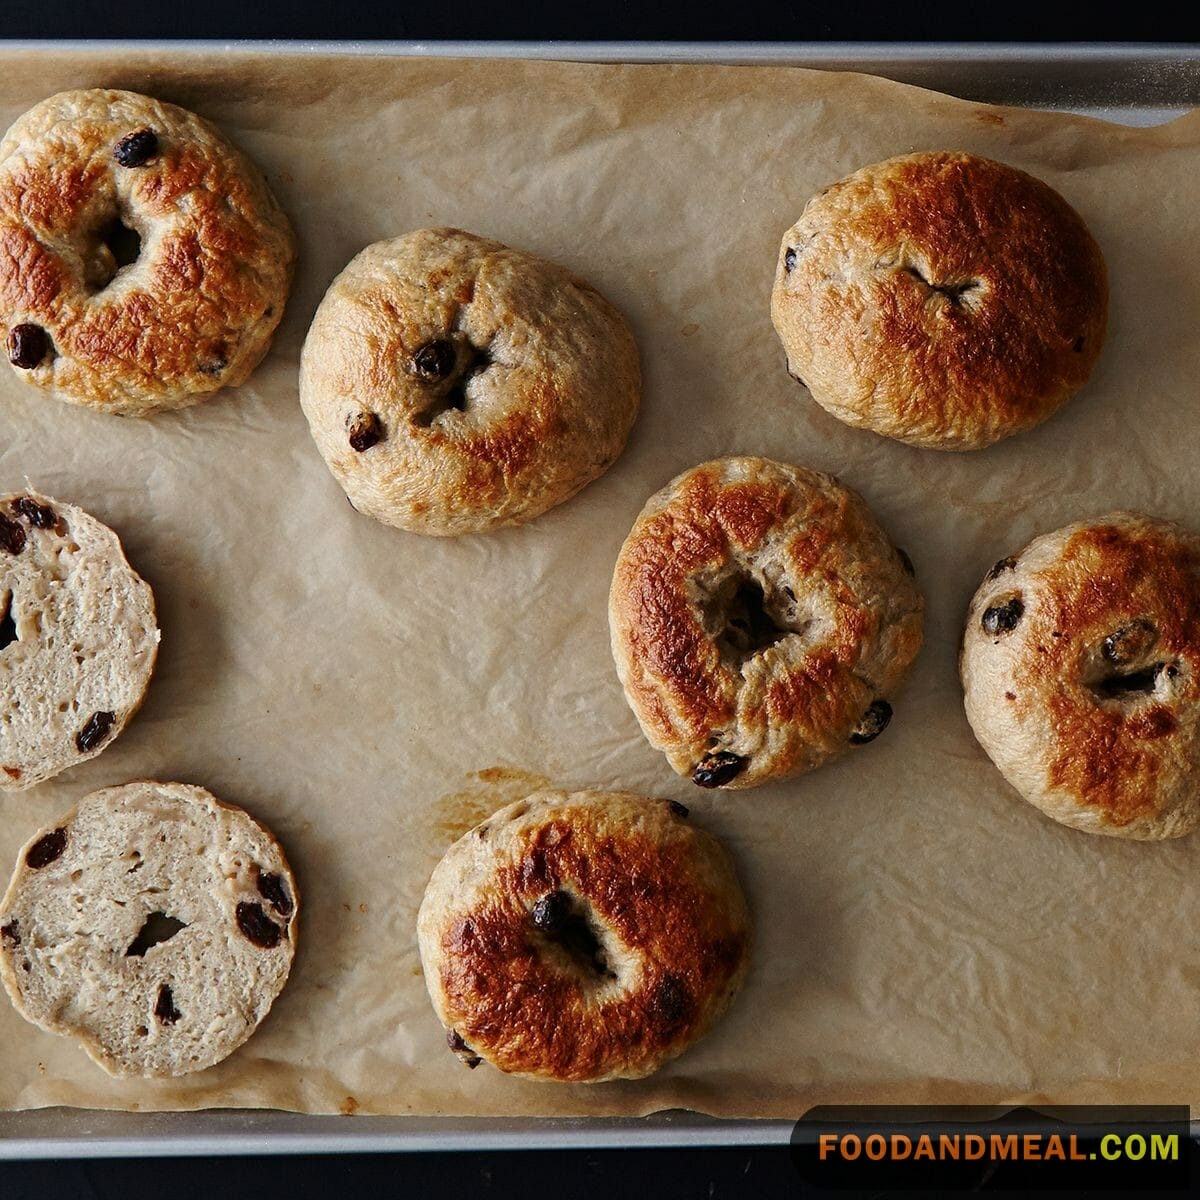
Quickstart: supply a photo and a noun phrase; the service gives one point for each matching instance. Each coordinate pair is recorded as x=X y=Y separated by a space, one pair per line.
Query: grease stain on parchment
x=457 y=812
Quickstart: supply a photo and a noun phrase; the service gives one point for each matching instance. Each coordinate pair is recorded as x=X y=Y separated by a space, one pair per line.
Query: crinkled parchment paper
x=923 y=934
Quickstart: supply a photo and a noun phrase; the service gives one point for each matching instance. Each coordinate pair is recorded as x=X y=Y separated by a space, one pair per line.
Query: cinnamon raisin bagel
x=454 y=385
x=154 y=924
x=582 y=937
x=144 y=263
x=78 y=638
x=761 y=621
x=1081 y=670
x=941 y=299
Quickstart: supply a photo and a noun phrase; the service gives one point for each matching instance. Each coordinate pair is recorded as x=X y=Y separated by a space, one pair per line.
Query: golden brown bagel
x=454 y=385
x=1081 y=670
x=941 y=299
x=582 y=937
x=84 y=177
x=760 y=621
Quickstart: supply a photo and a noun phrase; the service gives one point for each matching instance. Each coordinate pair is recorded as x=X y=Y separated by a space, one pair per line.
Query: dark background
x=609 y=1174
x=736 y=20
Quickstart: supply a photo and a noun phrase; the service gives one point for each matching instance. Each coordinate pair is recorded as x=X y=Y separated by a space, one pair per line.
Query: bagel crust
x=454 y=385
x=193 y=312
x=1081 y=671
x=582 y=937
x=761 y=621
x=941 y=299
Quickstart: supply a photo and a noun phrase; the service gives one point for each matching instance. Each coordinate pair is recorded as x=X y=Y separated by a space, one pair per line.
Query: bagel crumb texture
x=942 y=299
x=78 y=638
x=454 y=385
x=147 y=251
x=1089 y=702
x=761 y=621
x=125 y=929
x=588 y=936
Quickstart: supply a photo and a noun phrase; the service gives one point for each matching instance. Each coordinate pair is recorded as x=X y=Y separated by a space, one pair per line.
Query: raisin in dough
x=582 y=937
x=453 y=385
x=1081 y=671
x=144 y=263
x=942 y=299
x=154 y=924
x=761 y=621
x=78 y=638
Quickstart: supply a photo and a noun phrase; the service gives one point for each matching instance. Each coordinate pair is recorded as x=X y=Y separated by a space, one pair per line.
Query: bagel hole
x=747 y=626
x=472 y=361
x=158 y=927
x=1131 y=684
x=8 y=627
x=117 y=246
x=956 y=293
x=577 y=944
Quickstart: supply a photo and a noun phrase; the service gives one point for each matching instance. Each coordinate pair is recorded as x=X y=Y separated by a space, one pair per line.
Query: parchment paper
x=923 y=934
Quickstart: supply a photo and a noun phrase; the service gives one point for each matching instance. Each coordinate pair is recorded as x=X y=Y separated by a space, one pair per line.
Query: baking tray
x=1134 y=85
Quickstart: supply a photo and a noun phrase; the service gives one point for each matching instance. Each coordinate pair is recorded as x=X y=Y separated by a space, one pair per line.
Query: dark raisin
x=11 y=932
x=272 y=890
x=95 y=731
x=12 y=536
x=550 y=913
x=365 y=432
x=136 y=149
x=905 y=561
x=789 y=259
x=1077 y=346
x=455 y=1042
x=257 y=926
x=28 y=345
x=1129 y=642
x=875 y=721
x=716 y=770
x=164 y=1008
x=40 y=516
x=434 y=360
x=46 y=849
x=671 y=1001
x=680 y=810
x=1003 y=618
x=1005 y=564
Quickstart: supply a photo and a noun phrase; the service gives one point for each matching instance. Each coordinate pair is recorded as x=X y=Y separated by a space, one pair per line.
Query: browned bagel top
x=195 y=308
x=1135 y=586
x=753 y=597
x=650 y=940
x=454 y=384
x=1081 y=667
x=941 y=298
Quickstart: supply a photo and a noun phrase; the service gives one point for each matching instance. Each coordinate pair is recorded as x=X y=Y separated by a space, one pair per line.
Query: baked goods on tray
x=941 y=299
x=144 y=263
x=154 y=924
x=761 y=621
x=582 y=936
x=78 y=638
x=454 y=385
x=1081 y=668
